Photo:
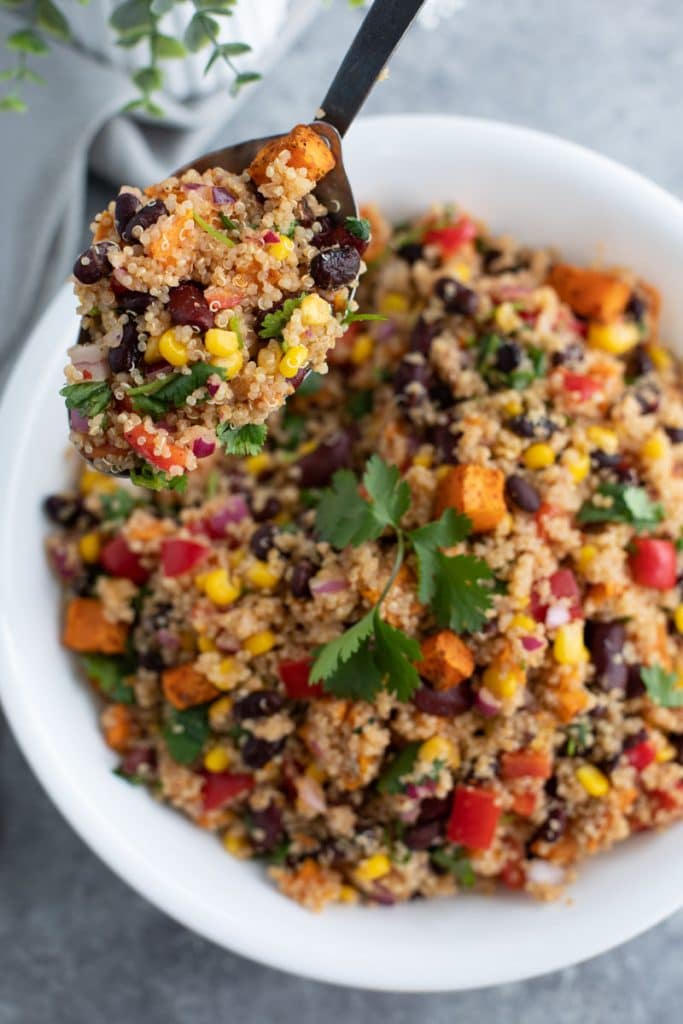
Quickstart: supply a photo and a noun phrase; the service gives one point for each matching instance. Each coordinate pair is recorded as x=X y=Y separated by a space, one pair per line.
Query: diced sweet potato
x=88 y=631
x=446 y=660
x=477 y=492
x=184 y=687
x=118 y=725
x=307 y=150
x=169 y=241
x=380 y=232
x=595 y=294
x=654 y=307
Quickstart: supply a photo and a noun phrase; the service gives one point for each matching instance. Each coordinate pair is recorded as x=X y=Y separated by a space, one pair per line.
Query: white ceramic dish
x=542 y=190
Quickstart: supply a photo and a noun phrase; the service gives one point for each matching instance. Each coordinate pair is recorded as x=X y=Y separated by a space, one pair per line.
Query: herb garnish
x=531 y=365
x=458 y=863
x=275 y=322
x=372 y=654
x=89 y=397
x=231 y=225
x=109 y=672
x=360 y=403
x=402 y=764
x=246 y=440
x=118 y=505
x=153 y=479
x=157 y=396
x=186 y=732
x=662 y=687
x=628 y=504
x=211 y=230
x=356 y=318
x=358 y=226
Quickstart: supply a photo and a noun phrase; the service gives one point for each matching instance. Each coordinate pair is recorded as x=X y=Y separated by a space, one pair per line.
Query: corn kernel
x=584 y=557
x=172 y=350
x=219 y=588
x=617 y=338
x=221 y=343
x=666 y=752
x=393 y=302
x=442 y=472
x=438 y=748
x=678 y=618
x=659 y=356
x=89 y=547
x=604 y=439
x=578 y=464
x=362 y=349
x=539 y=456
x=92 y=482
x=293 y=360
x=592 y=780
x=152 y=353
x=260 y=643
x=524 y=623
x=513 y=407
x=232 y=364
x=236 y=845
x=307 y=447
x=315 y=311
x=506 y=317
x=424 y=458
x=463 y=271
x=219 y=711
x=503 y=682
x=205 y=644
x=569 y=648
x=261 y=576
x=280 y=250
x=217 y=759
x=655 y=448
x=372 y=868
x=257 y=464
x=347 y=894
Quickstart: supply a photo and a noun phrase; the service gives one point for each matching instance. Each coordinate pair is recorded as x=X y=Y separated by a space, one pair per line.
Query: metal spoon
x=376 y=39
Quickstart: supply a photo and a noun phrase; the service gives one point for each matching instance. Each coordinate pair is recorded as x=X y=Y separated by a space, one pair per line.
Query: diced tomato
x=641 y=755
x=513 y=876
x=295 y=676
x=474 y=817
x=452 y=237
x=118 y=560
x=546 y=512
x=520 y=764
x=221 y=787
x=562 y=585
x=524 y=803
x=179 y=555
x=653 y=563
x=582 y=386
x=665 y=801
x=144 y=443
x=222 y=298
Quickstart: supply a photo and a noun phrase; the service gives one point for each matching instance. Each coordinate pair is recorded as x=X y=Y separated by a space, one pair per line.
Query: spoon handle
x=375 y=41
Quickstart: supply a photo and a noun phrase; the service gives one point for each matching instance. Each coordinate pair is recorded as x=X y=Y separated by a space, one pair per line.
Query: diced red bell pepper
x=295 y=676
x=524 y=803
x=581 y=385
x=521 y=764
x=641 y=755
x=144 y=442
x=546 y=512
x=474 y=817
x=451 y=237
x=653 y=563
x=118 y=560
x=666 y=801
x=179 y=555
x=221 y=787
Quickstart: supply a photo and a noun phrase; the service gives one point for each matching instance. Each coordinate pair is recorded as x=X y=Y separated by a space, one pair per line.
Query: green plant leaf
x=337 y=651
x=275 y=322
x=450 y=529
x=50 y=18
x=626 y=503
x=390 y=495
x=132 y=16
x=662 y=687
x=109 y=673
x=148 y=79
x=401 y=765
x=12 y=103
x=394 y=654
x=343 y=516
x=246 y=440
x=358 y=226
x=161 y=7
x=458 y=863
x=89 y=397
x=26 y=40
x=201 y=31
x=168 y=48
x=244 y=78
x=186 y=732
x=153 y=479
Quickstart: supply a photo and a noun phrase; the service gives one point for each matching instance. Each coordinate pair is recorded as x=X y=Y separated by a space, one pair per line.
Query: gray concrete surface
x=77 y=946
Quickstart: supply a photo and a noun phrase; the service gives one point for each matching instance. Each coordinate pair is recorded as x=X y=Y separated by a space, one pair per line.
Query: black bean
x=606 y=460
x=573 y=353
x=260 y=704
x=639 y=363
x=188 y=306
x=522 y=493
x=422 y=336
x=333 y=268
x=456 y=297
x=133 y=302
x=648 y=399
x=334 y=234
x=262 y=540
x=637 y=306
x=256 y=753
x=443 y=703
x=523 y=426
x=126 y=206
x=411 y=380
x=300 y=579
x=676 y=741
x=126 y=354
x=271 y=507
x=93 y=264
x=508 y=357
x=142 y=220
x=434 y=808
x=634 y=739
x=441 y=394
x=265 y=828
x=605 y=641
x=635 y=687
x=152 y=660
x=421 y=837
x=62 y=510
x=411 y=252
x=675 y=434
x=84 y=336
x=553 y=826
x=445 y=440
x=319 y=466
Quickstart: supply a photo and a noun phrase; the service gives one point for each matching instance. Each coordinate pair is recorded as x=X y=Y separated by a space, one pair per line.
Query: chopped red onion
x=212 y=387
x=221 y=196
x=93 y=371
x=557 y=615
x=87 y=354
x=270 y=238
x=192 y=186
x=486 y=704
x=227 y=644
x=328 y=586
x=167 y=638
x=531 y=643
x=202 y=448
x=512 y=291
x=542 y=872
x=234 y=512
x=77 y=421
x=382 y=895
x=417 y=792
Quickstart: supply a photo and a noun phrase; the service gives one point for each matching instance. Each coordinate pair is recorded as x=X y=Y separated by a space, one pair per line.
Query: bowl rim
x=134 y=869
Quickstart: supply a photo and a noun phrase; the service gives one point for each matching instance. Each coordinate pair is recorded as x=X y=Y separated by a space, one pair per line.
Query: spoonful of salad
x=206 y=299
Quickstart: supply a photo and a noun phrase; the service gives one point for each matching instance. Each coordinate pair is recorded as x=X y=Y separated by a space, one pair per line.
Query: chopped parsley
x=662 y=687
x=109 y=673
x=402 y=764
x=246 y=440
x=274 y=323
x=359 y=227
x=531 y=363
x=89 y=397
x=457 y=862
x=579 y=738
x=210 y=230
x=231 y=225
x=118 y=505
x=153 y=479
x=186 y=732
x=625 y=504
x=157 y=396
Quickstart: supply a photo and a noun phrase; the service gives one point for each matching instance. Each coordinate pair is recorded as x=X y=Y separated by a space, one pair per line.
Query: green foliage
x=246 y=440
x=625 y=504
x=186 y=732
x=662 y=687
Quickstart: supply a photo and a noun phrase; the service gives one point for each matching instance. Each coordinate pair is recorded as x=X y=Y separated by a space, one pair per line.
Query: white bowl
x=542 y=190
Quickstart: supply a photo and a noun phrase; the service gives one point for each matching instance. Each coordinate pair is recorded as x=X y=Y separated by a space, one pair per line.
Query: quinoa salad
x=204 y=301
x=429 y=639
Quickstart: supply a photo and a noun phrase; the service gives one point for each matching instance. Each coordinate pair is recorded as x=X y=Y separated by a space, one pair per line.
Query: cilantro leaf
x=186 y=732
x=157 y=396
x=390 y=497
x=210 y=230
x=337 y=651
x=275 y=322
x=358 y=226
x=458 y=863
x=394 y=654
x=404 y=762
x=153 y=479
x=109 y=674
x=627 y=504
x=360 y=403
x=662 y=687
x=311 y=385
x=246 y=440
x=89 y=397
x=343 y=516
x=357 y=678
x=460 y=600
x=450 y=529
x=118 y=505
x=359 y=318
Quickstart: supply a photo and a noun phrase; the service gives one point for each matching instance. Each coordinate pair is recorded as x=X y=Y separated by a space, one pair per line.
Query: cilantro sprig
x=186 y=732
x=372 y=654
x=274 y=323
x=155 y=397
x=89 y=397
x=626 y=503
x=153 y=479
x=110 y=673
x=662 y=687
x=246 y=440
x=358 y=226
